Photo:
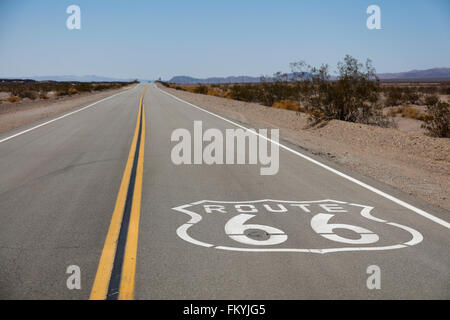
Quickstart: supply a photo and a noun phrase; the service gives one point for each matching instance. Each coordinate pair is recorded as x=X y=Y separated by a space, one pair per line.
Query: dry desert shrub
x=13 y=98
x=43 y=95
x=83 y=87
x=247 y=93
x=62 y=92
x=394 y=96
x=431 y=100
x=202 y=89
x=38 y=89
x=437 y=122
x=32 y=95
x=72 y=91
x=288 y=105
x=412 y=113
x=407 y=112
x=354 y=96
x=216 y=92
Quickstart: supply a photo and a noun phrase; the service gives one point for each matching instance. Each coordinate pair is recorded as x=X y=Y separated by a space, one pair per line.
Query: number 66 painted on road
x=235 y=228
x=263 y=238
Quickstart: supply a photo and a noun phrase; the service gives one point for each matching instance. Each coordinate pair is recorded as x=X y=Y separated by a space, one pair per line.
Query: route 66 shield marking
x=321 y=226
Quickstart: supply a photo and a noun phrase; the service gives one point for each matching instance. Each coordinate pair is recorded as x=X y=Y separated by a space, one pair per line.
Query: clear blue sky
x=202 y=38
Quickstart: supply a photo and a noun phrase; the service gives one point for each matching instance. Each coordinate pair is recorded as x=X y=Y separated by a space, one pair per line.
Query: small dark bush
x=62 y=92
x=43 y=95
x=445 y=90
x=394 y=96
x=83 y=87
x=165 y=84
x=245 y=92
x=410 y=96
x=431 y=100
x=437 y=122
x=32 y=95
x=202 y=89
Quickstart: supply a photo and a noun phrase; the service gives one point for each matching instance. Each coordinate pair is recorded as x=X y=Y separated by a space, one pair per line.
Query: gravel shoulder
x=13 y=115
x=405 y=159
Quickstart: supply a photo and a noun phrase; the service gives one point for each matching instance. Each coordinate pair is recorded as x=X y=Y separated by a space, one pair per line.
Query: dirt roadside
x=13 y=115
x=407 y=160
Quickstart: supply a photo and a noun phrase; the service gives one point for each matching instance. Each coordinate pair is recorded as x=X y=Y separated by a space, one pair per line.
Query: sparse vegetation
x=43 y=95
x=354 y=95
x=202 y=89
x=431 y=100
x=394 y=96
x=29 y=89
x=437 y=122
x=288 y=105
x=246 y=92
x=32 y=95
x=83 y=87
x=72 y=91
x=13 y=98
x=401 y=94
x=407 y=112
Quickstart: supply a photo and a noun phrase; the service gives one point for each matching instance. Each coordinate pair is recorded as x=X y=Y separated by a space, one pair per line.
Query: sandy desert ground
x=13 y=115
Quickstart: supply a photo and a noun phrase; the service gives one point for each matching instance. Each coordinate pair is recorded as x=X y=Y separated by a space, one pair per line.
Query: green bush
x=353 y=97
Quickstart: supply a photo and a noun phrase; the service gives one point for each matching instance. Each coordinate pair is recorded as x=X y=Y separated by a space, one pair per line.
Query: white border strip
x=343 y=175
x=63 y=116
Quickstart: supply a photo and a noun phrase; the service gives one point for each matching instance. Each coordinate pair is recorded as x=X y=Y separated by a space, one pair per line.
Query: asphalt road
x=98 y=189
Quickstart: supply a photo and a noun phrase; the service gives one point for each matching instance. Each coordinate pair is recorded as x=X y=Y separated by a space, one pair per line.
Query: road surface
x=96 y=188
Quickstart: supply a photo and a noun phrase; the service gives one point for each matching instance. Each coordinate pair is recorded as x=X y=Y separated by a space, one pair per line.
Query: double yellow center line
x=117 y=267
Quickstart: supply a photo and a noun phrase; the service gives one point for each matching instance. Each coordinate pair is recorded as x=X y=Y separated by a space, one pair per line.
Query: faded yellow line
x=129 y=263
x=100 y=287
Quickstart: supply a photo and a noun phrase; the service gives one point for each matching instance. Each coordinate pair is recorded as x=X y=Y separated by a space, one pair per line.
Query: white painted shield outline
x=182 y=231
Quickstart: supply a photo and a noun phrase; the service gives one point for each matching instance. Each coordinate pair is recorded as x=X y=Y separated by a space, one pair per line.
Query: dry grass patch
x=13 y=98
x=288 y=105
x=407 y=112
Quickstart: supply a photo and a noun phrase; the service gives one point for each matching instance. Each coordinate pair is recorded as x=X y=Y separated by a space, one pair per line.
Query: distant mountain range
x=436 y=73
x=429 y=74
x=190 y=80
x=85 y=78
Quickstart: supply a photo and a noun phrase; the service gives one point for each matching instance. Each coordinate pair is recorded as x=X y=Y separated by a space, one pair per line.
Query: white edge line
x=343 y=175
x=63 y=116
